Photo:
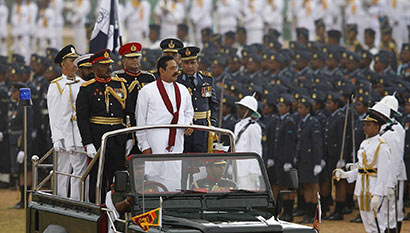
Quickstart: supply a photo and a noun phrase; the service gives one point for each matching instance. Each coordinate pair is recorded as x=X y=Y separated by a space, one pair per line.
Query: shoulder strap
x=243 y=130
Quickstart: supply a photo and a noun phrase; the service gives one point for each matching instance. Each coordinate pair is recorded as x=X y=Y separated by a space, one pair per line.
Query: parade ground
x=12 y=220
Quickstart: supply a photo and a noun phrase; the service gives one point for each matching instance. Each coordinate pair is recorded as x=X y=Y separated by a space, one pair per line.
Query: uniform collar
x=131 y=73
x=102 y=80
x=306 y=117
x=284 y=115
x=213 y=179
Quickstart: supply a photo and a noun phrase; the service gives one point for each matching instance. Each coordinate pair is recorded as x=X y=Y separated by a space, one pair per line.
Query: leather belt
x=100 y=120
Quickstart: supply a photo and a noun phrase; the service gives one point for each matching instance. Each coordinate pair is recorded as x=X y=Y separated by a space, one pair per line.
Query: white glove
x=391 y=193
x=1 y=136
x=317 y=169
x=375 y=202
x=128 y=147
x=91 y=151
x=287 y=167
x=352 y=166
x=322 y=163
x=34 y=134
x=271 y=163
x=20 y=157
x=58 y=146
x=340 y=163
x=339 y=173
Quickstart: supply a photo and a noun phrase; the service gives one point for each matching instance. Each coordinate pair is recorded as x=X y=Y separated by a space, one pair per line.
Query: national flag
x=318 y=215
x=148 y=219
x=106 y=31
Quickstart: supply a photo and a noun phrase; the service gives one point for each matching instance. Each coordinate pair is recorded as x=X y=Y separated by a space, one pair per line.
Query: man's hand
x=147 y=151
x=271 y=163
x=58 y=146
x=20 y=157
x=91 y=151
x=375 y=202
x=317 y=169
x=287 y=167
x=188 y=131
x=339 y=173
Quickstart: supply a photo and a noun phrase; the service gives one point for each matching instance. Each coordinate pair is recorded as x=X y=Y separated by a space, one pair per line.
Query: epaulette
x=56 y=79
x=84 y=84
x=146 y=72
x=153 y=71
x=205 y=73
x=392 y=45
x=382 y=140
x=116 y=78
x=122 y=71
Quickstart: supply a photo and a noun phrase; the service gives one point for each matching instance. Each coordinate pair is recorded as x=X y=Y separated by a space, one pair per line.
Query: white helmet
x=392 y=103
x=249 y=102
x=381 y=108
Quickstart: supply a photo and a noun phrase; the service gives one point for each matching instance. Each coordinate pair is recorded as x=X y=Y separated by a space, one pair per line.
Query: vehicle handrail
x=148 y=127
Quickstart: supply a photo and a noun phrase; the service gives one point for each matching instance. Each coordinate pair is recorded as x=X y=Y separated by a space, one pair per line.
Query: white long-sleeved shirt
x=68 y=116
x=54 y=93
x=151 y=110
x=79 y=14
x=137 y=20
x=227 y=14
x=4 y=14
x=377 y=185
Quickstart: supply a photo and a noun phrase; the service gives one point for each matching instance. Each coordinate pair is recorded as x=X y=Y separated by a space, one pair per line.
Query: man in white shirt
x=78 y=17
x=164 y=102
x=66 y=138
x=248 y=138
x=4 y=14
x=137 y=16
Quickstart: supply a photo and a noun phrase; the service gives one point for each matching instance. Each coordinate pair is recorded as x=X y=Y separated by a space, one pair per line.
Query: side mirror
x=293 y=179
x=121 y=181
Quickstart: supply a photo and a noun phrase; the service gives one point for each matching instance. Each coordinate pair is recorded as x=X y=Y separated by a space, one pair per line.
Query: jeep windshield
x=170 y=175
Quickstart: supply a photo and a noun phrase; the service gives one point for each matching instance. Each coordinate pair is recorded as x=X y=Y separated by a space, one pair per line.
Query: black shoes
x=347 y=210
x=287 y=218
x=298 y=213
x=19 y=205
x=306 y=220
x=358 y=219
x=334 y=216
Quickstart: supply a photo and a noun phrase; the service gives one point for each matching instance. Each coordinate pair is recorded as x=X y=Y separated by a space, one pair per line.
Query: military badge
x=206 y=90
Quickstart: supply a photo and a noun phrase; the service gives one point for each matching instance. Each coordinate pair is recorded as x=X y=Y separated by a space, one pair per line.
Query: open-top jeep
x=204 y=192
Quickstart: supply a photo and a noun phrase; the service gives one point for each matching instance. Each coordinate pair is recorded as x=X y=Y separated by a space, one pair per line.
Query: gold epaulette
x=205 y=73
x=153 y=71
x=392 y=45
x=116 y=78
x=56 y=79
x=91 y=81
x=382 y=140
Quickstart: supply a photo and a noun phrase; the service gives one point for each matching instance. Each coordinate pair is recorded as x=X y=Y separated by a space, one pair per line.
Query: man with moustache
x=102 y=106
x=164 y=102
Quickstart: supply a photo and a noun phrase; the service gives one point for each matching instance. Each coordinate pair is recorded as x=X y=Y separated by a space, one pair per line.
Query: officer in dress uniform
x=4 y=15
x=170 y=47
x=308 y=156
x=102 y=106
x=352 y=44
x=16 y=143
x=404 y=70
x=201 y=87
x=214 y=180
x=282 y=149
x=78 y=17
x=84 y=66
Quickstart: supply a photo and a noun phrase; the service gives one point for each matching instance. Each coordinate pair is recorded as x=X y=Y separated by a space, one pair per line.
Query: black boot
x=20 y=204
x=324 y=206
x=399 y=226
x=310 y=213
x=287 y=210
x=390 y=230
x=358 y=219
x=338 y=213
x=300 y=209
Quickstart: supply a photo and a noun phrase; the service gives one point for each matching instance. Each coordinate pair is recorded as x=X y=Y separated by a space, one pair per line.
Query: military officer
x=83 y=65
x=4 y=13
x=16 y=145
x=78 y=17
x=4 y=101
x=227 y=13
x=131 y=72
x=170 y=46
x=352 y=44
x=404 y=70
x=19 y=21
x=137 y=16
x=200 y=13
x=253 y=20
x=308 y=156
x=369 y=41
x=214 y=180
x=102 y=105
x=169 y=14
x=200 y=86
x=282 y=149
x=386 y=41
x=64 y=58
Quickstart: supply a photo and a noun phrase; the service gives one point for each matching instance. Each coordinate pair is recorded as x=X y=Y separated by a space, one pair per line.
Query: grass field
x=13 y=220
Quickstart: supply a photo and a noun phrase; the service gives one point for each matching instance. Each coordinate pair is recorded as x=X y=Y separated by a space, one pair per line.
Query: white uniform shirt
x=137 y=20
x=250 y=141
x=4 y=14
x=55 y=91
x=79 y=13
x=273 y=14
x=19 y=19
x=227 y=13
x=200 y=13
x=151 y=110
x=170 y=20
x=68 y=116
x=377 y=184
x=32 y=18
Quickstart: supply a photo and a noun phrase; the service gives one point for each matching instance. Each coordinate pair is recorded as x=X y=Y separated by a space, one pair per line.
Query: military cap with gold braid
x=171 y=45
x=66 y=52
x=374 y=117
x=189 y=53
x=102 y=57
x=132 y=49
x=83 y=60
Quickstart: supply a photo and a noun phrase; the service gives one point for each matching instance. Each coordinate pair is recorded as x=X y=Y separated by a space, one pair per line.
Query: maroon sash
x=175 y=115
